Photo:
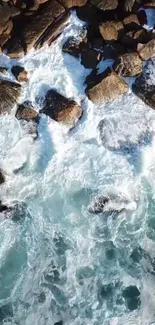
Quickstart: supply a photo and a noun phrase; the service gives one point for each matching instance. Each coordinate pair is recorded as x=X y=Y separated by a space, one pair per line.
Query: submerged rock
x=19 y=73
x=9 y=94
x=106 y=87
x=128 y=65
x=61 y=109
x=131 y=295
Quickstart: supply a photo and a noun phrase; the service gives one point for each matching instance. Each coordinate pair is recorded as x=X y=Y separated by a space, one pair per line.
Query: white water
x=63 y=172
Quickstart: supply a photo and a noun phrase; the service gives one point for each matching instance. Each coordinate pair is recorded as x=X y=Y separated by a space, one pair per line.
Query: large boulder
x=146 y=51
x=61 y=109
x=128 y=65
x=111 y=30
x=105 y=4
x=106 y=87
x=144 y=88
x=9 y=94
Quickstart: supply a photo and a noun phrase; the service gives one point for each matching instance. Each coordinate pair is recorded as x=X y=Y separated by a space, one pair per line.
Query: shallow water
x=58 y=261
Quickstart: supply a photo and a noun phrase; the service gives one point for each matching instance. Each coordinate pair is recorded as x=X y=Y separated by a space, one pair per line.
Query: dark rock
x=6 y=311
x=74 y=46
x=146 y=51
x=19 y=73
x=2 y=178
x=89 y=13
x=61 y=109
x=131 y=22
x=105 y=4
x=111 y=30
x=131 y=295
x=4 y=208
x=59 y=323
x=128 y=65
x=90 y=58
x=132 y=38
x=113 y=51
x=108 y=87
x=98 y=205
x=9 y=94
x=149 y=4
x=145 y=90
x=106 y=291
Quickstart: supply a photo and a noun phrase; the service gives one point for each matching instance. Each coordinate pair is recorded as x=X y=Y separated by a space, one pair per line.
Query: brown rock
x=9 y=94
x=111 y=30
x=105 y=4
x=108 y=87
x=132 y=38
x=36 y=27
x=146 y=51
x=63 y=110
x=7 y=11
x=26 y=112
x=90 y=58
x=145 y=90
x=73 y=3
x=19 y=73
x=129 y=4
x=131 y=22
x=149 y=4
x=128 y=65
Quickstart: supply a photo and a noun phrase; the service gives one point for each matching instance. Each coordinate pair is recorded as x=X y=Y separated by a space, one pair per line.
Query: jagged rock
x=111 y=30
x=25 y=112
x=131 y=22
x=149 y=4
x=105 y=4
x=2 y=178
x=106 y=87
x=146 y=51
x=3 y=70
x=9 y=94
x=19 y=73
x=90 y=58
x=61 y=109
x=145 y=89
x=36 y=27
x=128 y=65
x=73 y=3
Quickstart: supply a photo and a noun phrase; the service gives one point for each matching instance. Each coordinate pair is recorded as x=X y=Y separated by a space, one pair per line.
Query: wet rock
x=3 y=70
x=146 y=51
x=9 y=94
x=105 y=4
x=19 y=73
x=107 y=87
x=111 y=30
x=7 y=11
x=113 y=51
x=145 y=90
x=4 y=208
x=61 y=109
x=90 y=58
x=36 y=27
x=98 y=205
x=26 y=113
x=59 y=323
x=73 y=46
x=128 y=65
x=131 y=295
x=2 y=178
x=132 y=38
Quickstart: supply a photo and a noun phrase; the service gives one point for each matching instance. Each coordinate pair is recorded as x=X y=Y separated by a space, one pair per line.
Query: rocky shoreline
x=114 y=30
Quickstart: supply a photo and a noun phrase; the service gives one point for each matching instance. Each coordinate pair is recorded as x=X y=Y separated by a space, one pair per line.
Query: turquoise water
x=58 y=262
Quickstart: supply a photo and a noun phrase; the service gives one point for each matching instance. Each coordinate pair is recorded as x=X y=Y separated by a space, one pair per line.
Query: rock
x=3 y=70
x=108 y=87
x=2 y=178
x=128 y=5
x=72 y=47
x=61 y=109
x=73 y=3
x=128 y=65
x=9 y=94
x=146 y=51
x=131 y=22
x=26 y=113
x=98 y=205
x=59 y=323
x=7 y=11
x=19 y=73
x=105 y=4
x=132 y=38
x=149 y=4
x=112 y=202
x=145 y=90
x=113 y=51
x=36 y=27
x=132 y=296
x=90 y=58
x=111 y=30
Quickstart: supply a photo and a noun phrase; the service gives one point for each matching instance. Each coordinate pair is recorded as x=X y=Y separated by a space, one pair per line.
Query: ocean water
x=59 y=262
